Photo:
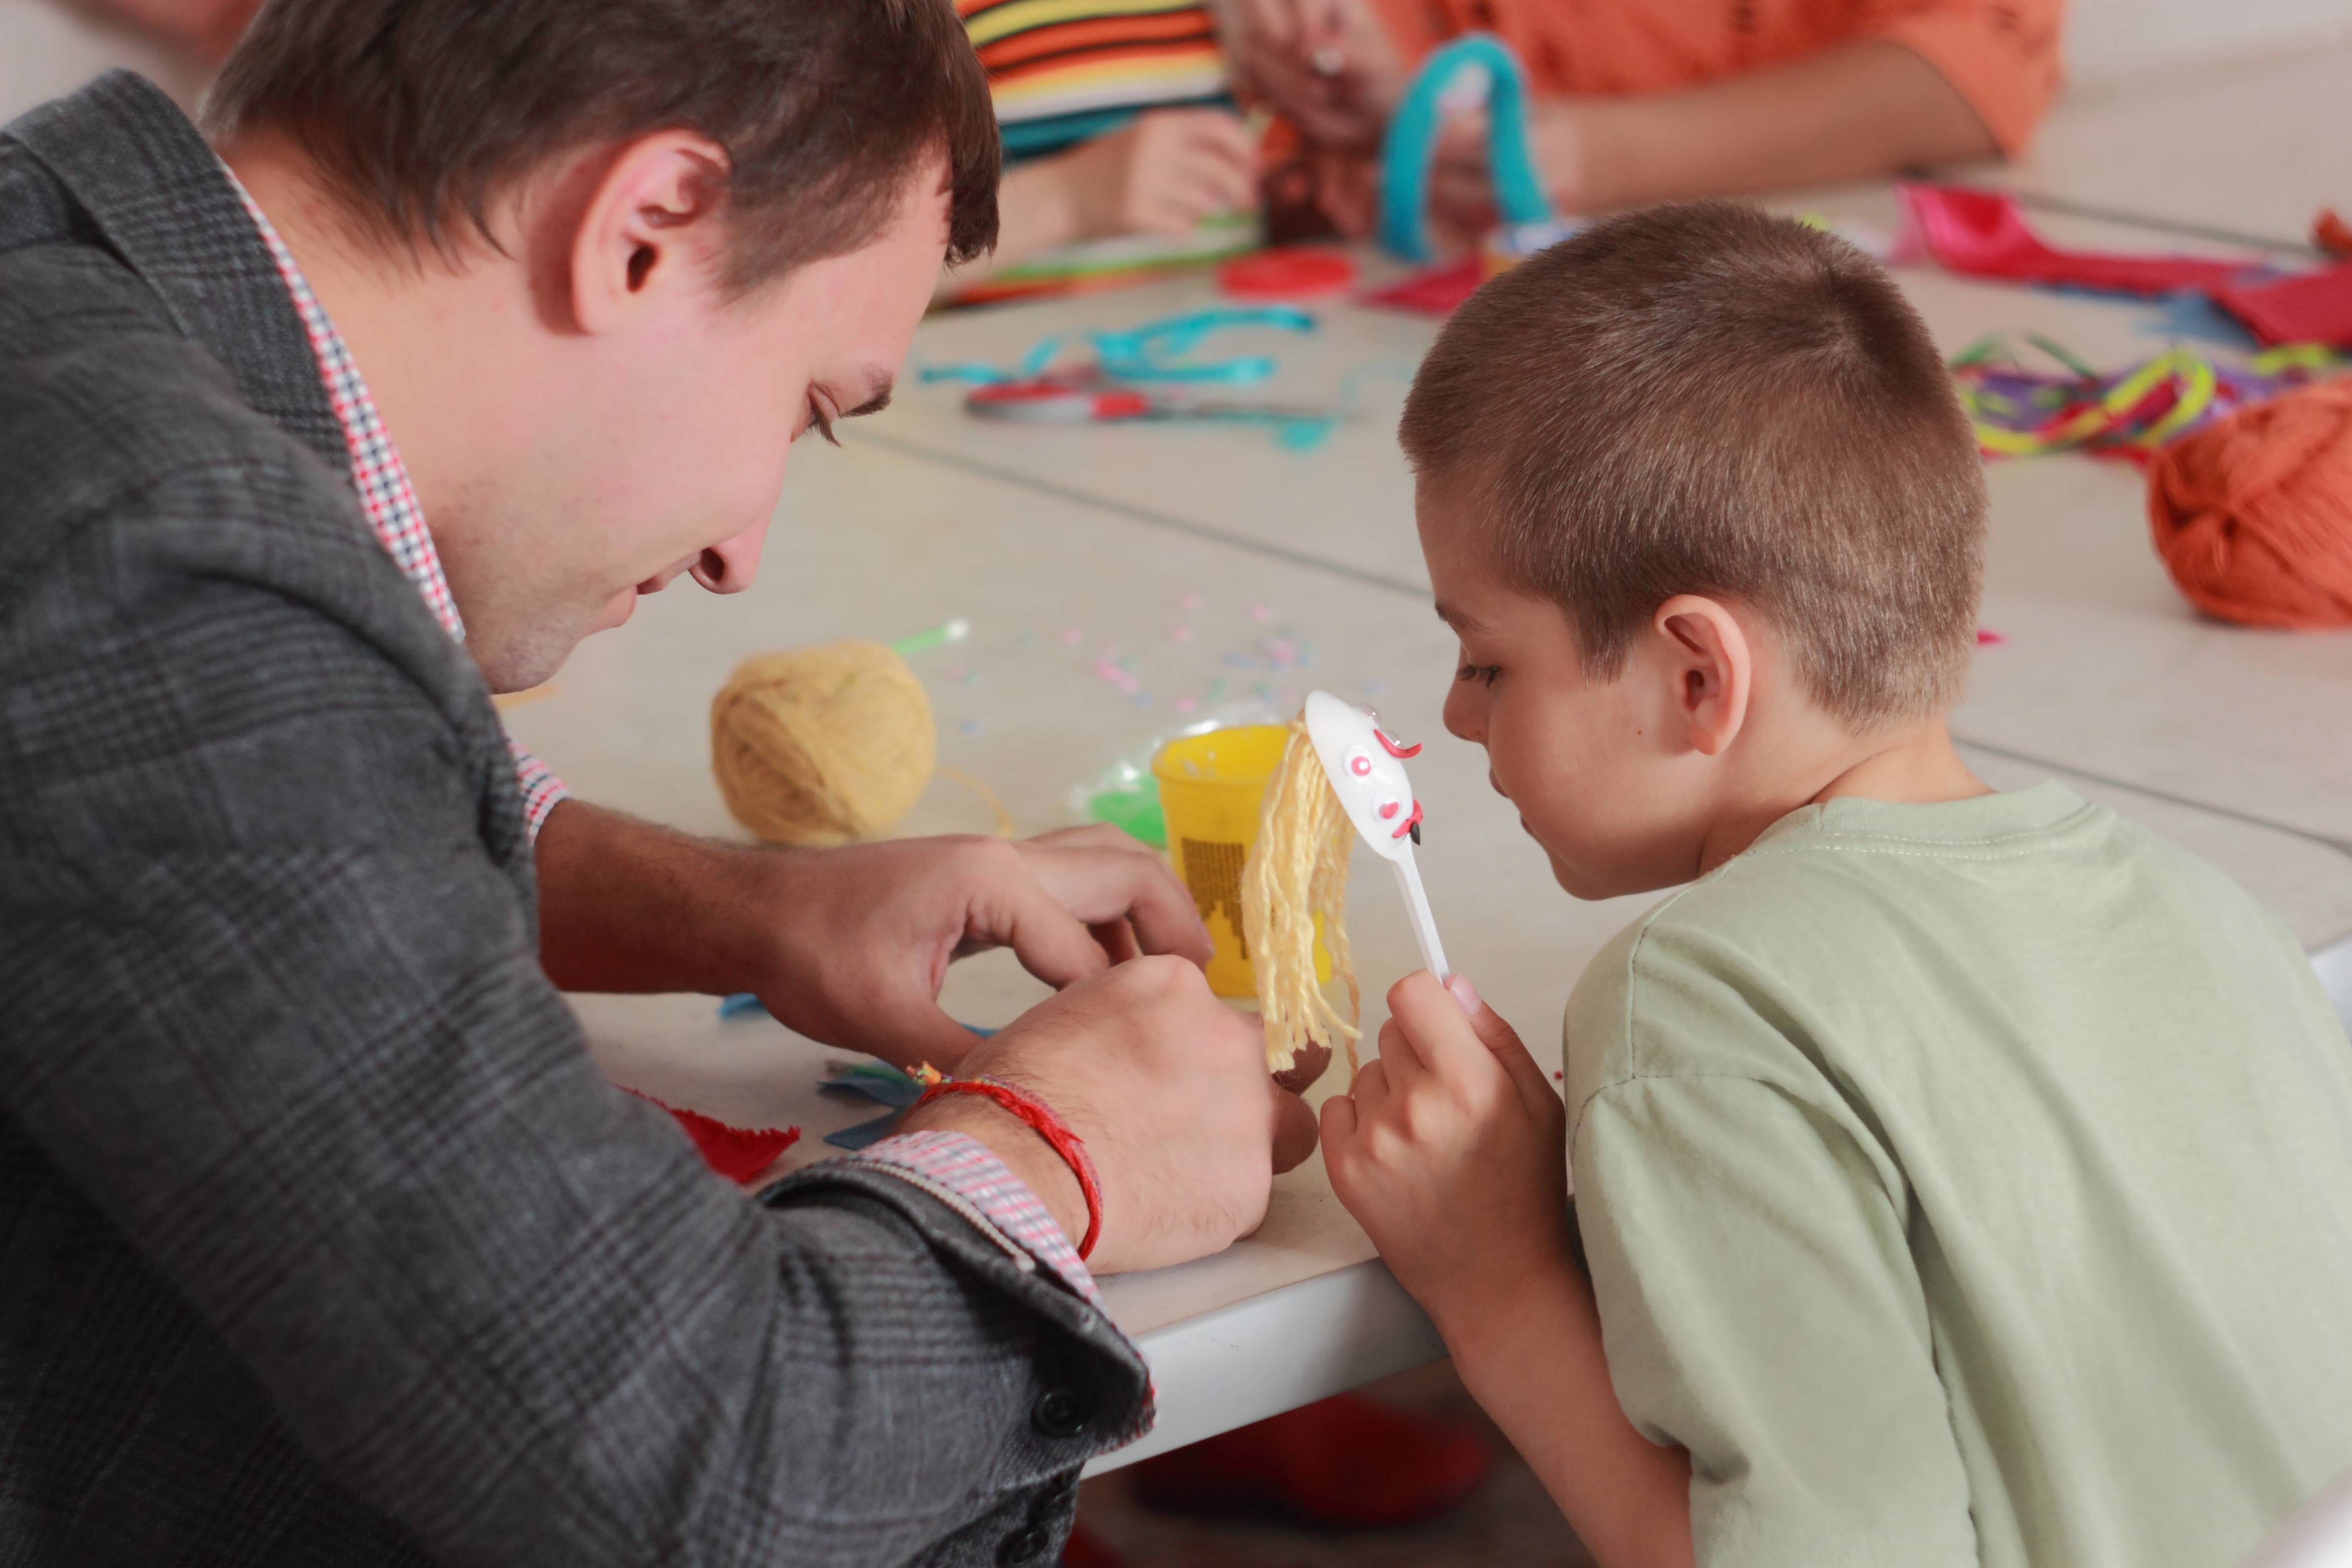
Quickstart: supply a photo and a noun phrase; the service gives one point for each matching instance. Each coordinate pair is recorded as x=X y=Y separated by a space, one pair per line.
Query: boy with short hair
x=1963 y=1176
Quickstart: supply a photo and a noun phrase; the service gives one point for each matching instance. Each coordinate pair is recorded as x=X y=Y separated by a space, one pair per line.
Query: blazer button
x=1059 y=1413
x=1023 y=1546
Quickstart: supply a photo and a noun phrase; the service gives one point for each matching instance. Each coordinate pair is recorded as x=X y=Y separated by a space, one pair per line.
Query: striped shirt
x=1066 y=71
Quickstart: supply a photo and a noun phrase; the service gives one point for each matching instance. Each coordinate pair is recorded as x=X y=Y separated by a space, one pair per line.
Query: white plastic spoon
x=1367 y=769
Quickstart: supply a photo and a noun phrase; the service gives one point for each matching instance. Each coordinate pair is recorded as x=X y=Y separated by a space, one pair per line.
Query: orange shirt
x=2001 y=54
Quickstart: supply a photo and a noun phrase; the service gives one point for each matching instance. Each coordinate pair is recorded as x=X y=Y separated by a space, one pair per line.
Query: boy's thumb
x=1485 y=1021
x=1497 y=1036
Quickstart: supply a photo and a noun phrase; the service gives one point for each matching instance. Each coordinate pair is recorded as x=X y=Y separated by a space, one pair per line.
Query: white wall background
x=45 y=50
x=2110 y=39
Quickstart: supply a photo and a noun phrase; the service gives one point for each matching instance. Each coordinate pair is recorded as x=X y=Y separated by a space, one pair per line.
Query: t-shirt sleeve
x=2003 y=55
x=1759 y=1308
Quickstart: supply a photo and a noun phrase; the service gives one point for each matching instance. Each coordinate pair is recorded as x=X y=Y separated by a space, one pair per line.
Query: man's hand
x=1168 y=1089
x=847 y=946
x=850 y=946
x=1163 y=174
x=1451 y=1152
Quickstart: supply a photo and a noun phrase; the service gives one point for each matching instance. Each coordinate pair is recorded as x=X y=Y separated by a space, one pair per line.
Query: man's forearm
x=628 y=905
x=1532 y=1359
x=1859 y=110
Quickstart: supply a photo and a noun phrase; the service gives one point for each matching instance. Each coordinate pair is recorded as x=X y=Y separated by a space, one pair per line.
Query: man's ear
x=1713 y=668
x=653 y=222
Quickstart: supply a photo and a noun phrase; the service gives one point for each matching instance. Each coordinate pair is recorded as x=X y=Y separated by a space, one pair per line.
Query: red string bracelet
x=1034 y=1116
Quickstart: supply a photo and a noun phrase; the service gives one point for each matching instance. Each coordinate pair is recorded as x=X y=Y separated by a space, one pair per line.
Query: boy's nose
x=1465 y=718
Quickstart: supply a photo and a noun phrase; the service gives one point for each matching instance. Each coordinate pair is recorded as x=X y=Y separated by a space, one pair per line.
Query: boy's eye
x=1483 y=673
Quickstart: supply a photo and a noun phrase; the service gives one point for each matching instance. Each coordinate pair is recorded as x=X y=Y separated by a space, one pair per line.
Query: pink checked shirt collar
x=380 y=479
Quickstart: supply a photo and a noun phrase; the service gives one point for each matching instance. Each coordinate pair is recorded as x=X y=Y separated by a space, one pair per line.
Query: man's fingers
x=1101 y=880
x=1117 y=939
x=1051 y=942
x=1294 y=1131
x=919 y=1031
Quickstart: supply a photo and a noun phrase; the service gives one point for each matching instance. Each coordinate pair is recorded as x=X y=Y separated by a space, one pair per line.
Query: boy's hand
x=1452 y=1153
x=1162 y=174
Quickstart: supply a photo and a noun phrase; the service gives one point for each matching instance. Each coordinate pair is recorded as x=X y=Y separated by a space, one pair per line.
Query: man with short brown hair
x=323 y=1241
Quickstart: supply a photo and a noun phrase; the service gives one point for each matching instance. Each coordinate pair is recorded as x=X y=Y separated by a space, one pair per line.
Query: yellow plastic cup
x=1213 y=791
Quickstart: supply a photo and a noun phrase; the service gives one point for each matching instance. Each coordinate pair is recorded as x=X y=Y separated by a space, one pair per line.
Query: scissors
x=1049 y=402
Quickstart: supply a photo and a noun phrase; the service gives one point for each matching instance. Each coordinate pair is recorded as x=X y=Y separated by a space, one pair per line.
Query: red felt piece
x=1983 y=234
x=1345 y=1463
x=1292 y=273
x=1437 y=292
x=2331 y=233
x=737 y=1153
x=2316 y=307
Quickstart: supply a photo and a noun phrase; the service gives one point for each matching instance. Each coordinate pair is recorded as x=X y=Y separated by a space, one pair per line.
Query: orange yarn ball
x=2254 y=514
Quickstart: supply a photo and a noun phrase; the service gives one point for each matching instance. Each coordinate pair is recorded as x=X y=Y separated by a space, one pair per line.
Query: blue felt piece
x=884 y=1086
x=864 y=1133
x=887 y=1085
x=2190 y=315
x=741 y=1004
x=1410 y=144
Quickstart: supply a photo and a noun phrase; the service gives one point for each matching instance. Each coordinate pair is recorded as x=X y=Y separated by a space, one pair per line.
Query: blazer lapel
x=166 y=206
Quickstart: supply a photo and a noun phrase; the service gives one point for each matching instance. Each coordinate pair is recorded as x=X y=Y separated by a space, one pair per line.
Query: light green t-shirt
x=1970 y=1183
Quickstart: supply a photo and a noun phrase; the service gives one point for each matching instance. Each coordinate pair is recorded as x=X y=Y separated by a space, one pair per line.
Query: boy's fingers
x=1432 y=1025
x=1399 y=1061
x=1338 y=1123
x=1497 y=1036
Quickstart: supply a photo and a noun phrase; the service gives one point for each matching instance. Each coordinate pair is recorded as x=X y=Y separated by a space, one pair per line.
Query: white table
x=2252 y=145
x=2105 y=668
x=875 y=543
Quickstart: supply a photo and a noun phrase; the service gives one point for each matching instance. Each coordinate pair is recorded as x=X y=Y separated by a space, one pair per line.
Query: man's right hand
x=1168 y=1089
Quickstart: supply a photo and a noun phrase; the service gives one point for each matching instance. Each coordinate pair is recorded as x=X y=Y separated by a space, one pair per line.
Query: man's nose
x=729 y=566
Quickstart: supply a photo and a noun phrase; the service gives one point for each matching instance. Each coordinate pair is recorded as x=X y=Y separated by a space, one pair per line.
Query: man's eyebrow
x=875 y=401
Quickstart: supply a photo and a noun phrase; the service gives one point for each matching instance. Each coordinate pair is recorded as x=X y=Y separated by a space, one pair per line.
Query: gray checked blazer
x=322 y=1242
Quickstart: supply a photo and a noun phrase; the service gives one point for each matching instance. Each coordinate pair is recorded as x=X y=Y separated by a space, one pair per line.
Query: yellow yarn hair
x=822 y=746
x=1297 y=870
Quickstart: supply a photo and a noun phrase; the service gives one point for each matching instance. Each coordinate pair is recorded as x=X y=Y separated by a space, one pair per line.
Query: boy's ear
x=1713 y=668
x=652 y=221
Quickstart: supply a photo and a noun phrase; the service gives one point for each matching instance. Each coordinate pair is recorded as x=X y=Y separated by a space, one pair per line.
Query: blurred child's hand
x=1451 y=1152
x=1328 y=64
x=1162 y=174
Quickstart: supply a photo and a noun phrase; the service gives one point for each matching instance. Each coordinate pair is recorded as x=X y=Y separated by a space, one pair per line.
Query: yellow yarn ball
x=822 y=746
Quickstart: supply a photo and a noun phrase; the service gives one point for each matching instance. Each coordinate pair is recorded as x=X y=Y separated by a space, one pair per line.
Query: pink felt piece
x=1983 y=234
